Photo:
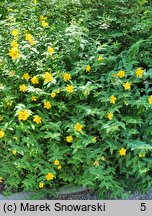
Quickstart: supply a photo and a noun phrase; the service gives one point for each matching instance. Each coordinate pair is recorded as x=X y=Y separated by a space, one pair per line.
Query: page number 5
x=143 y=207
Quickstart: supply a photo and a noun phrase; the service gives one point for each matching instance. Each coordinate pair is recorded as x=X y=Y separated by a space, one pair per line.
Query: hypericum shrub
x=70 y=121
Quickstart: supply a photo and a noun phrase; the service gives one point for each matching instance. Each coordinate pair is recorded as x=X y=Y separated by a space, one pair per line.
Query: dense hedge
x=76 y=95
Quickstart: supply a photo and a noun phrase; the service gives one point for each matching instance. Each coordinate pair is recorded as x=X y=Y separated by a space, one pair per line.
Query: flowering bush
x=70 y=113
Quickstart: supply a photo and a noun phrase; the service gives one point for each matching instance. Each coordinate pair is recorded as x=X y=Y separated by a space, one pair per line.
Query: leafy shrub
x=74 y=110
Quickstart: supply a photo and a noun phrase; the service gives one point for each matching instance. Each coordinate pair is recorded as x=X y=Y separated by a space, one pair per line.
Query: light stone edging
x=24 y=195
x=63 y=191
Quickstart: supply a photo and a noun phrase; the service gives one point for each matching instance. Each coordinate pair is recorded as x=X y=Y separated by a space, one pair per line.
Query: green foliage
x=75 y=95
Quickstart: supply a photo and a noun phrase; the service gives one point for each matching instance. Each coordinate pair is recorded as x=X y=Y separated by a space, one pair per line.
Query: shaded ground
x=92 y=195
x=81 y=195
x=85 y=195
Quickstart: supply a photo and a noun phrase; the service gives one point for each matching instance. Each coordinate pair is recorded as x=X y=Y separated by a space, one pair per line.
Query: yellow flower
x=139 y=72
x=103 y=158
x=44 y=23
x=26 y=76
x=121 y=74
x=100 y=58
x=14 y=53
x=122 y=151
x=96 y=163
x=34 y=98
x=14 y=44
x=32 y=42
x=49 y=176
x=58 y=91
x=78 y=127
x=15 y=32
x=56 y=162
x=37 y=119
x=127 y=85
x=59 y=167
x=2 y=134
x=110 y=115
x=67 y=76
x=48 y=77
x=42 y=18
x=47 y=105
x=69 y=139
x=51 y=50
x=41 y=185
x=88 y=68
x=1 y=179
x=94 y=139
x=23 y=115
x=53 y=94
x=14 y=152
x=141 y=155
x=150 y=99
x=28 y=37
x=22 y=88
x=69 y=88
x=113 y=99
x=35 y=80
